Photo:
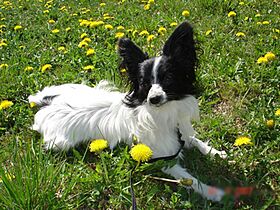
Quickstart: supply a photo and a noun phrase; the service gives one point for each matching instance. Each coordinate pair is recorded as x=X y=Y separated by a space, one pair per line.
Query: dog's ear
x=131 y=56
x=180 y=47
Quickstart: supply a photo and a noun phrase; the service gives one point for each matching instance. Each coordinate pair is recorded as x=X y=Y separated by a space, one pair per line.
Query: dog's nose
x=155 y=99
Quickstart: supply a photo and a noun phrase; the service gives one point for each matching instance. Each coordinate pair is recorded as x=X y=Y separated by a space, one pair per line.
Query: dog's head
x=158 y=80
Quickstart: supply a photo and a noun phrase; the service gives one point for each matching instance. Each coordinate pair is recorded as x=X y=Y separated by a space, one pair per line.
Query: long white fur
x=78 y=113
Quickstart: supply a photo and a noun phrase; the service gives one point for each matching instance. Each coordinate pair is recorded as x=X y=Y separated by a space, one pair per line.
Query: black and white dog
x=158 y=105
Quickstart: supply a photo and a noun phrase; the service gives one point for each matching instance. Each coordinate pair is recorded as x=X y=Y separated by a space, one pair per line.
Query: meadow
x=45 y=43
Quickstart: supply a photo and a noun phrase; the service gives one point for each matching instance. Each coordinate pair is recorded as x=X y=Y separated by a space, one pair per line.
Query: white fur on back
x=78 y=113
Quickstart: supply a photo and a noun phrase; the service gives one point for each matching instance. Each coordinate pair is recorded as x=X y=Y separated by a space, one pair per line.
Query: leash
x=170 y=157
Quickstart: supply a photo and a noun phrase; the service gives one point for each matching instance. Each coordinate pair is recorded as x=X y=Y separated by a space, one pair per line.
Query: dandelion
x=51 y=21
x=161 y=30
x=240 y=34
x=28 y=68
x=119 y=35
x=243 y=140
x=87 y=40
x=123 y=70
x=144 y=33
x=98 y=145
x=46 y=11
x=67 y=29
x=85 y=23
x=108 y=26
x=277 y=113
x=231 y=14
x=6 y=104
x=173 y=24
x=46 y=67
x=265 y=22
x=4 y=65
x=32 y=104
x=88 y=68
x=186 y=13
x=150 y=38
x=246 y=18
x=208 y=32
x=270 y=56
x=8 y=176
x=3 y=44
x=270 y=123
x=147 y=6
x=102 y=4
x=120 y=28
x=262 y=60
x=259 y=23
x=55 y=31
x=17 y=27
x=241 y=3
x=258 y=15
x=83 y=35
x=61 y=48
x=82 y=44
x=90 y=52
x=94 y=24
x=141 y=153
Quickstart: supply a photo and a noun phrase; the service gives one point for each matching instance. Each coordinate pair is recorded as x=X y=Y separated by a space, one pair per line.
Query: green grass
x=237 y=97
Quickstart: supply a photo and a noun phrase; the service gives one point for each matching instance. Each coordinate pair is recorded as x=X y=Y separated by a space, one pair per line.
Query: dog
x=158 y=108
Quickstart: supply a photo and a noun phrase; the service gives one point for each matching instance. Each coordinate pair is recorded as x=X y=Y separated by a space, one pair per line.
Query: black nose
x=155 y=100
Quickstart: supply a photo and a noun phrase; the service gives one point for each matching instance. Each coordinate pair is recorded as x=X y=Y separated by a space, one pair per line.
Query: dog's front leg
x=204 y=148
x=208 y=192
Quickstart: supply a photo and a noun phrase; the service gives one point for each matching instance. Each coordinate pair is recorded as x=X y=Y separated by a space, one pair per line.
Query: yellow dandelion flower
x=259 y=23
x=243 y=140
x=231 y=14
x=123 y=70
x=46 y=67
x=85 y=23
x=55 y=31
x=88 y=68
x=134 y=33
x=246 y=18
x=46 y=11
x=4 y=65
x=87 y=40
x=90 y=52
x=94 y=24
x=144 y=33
x=161 y=30
x=150 y=38
x=240 y=34
x=262 y=60
x=277 y=113
x=265 y=22
x=32 y=104
x=3 y=44
x=98 y=145
x=102 y=4
x=270 y=123
x=147 y=6
x=173 y=24
x=108 y=26
x=208 y=32
x=141 y=153
x=51 y=21
x=28 y=68
x=241 y=3
x=61 y=48
x=67 y=29
x=120 y=28
x=82 y=44
x=151 y=1
x=270 y=56
x=83 y=35
x=186 y=13
x=258 y=15
x=5 y=104
x=119 y=35
x=17 y=27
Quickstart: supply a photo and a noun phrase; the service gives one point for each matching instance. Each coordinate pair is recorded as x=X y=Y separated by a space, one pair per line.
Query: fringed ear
x=180 y=47
x=131 y=56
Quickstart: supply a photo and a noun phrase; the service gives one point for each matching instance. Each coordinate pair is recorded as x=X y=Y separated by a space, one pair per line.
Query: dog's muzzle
x=156 y=95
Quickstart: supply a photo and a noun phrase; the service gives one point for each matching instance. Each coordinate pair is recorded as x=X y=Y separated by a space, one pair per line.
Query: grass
x=237 y=97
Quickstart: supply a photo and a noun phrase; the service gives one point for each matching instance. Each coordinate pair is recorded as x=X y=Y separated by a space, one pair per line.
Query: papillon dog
x=158 y=109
